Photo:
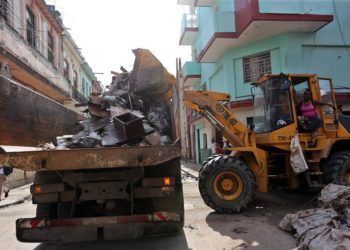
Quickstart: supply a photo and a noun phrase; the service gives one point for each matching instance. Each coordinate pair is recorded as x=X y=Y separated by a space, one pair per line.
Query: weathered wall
x=28 y=118
x=15 y=43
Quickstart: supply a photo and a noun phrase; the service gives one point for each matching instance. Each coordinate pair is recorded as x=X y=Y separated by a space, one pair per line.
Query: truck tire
x=227 y=184
x=337 y=169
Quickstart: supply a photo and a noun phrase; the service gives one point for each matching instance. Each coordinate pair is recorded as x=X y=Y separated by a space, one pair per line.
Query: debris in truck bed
x=134 y=110
x=327 y=227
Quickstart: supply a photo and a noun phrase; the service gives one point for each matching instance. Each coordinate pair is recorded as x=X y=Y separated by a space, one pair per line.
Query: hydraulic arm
x=212 y=106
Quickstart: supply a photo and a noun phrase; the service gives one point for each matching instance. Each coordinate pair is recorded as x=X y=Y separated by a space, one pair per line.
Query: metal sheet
x=90 y=158
x=28 y=118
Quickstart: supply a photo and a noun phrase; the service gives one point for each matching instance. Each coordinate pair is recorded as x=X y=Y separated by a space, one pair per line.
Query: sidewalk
x=16 y=196
x=190 y=168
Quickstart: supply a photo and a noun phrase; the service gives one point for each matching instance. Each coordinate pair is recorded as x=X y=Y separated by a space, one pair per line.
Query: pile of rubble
x=133 y=112
x=327 y=227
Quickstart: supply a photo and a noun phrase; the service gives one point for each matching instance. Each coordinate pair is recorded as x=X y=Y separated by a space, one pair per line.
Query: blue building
x=233 y=42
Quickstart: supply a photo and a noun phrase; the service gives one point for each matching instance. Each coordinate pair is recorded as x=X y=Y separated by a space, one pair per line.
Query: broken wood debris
x=134 y=111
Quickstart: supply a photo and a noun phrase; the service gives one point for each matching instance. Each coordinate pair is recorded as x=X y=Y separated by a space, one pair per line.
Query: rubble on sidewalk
x=327 y=227
x=133 y=112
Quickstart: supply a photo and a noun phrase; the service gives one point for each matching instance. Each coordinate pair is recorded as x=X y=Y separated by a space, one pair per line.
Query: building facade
x=33 y=43
x=233 y=42
x=76 y=71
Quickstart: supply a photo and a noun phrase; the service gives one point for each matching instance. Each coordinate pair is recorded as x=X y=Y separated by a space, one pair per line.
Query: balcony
x=78 y=97
x=185 y=2
x=204 y=3
x=189 y=29
x=249 y=24
x=192 y=73
x=28 y=63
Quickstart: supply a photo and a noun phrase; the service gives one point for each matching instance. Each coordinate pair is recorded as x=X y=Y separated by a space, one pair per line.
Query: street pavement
x=254 y=228
x=16 y=196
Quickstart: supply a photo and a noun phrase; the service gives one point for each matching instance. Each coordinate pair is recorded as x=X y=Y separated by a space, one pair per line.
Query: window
x=31 y=28
x=255 y=66
x=50 y=47
x=204 y=87
x=75 y=79
x=83 y=87
x=66 y=69
x=4 y=9
x=205 y=141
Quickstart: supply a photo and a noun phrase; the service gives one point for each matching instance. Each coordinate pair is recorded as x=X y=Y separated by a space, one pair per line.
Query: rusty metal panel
x=93 y=158
x=28 y=118
x=103 y=190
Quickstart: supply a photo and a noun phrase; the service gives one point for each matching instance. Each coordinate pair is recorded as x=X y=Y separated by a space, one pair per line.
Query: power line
x=339 y=27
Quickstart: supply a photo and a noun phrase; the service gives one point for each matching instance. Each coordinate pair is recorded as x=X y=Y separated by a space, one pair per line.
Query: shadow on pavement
x=173 y=242
x=257 y=225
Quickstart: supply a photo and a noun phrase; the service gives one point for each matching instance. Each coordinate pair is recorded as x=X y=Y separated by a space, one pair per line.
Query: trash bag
x=326 y=227
x=297 y=159
x=158 y=118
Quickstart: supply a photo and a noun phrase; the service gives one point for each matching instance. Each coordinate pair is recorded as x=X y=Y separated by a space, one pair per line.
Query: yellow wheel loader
x=261 y=152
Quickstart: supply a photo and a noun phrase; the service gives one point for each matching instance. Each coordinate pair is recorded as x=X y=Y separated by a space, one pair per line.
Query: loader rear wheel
x=337 y=169
x=226 y=184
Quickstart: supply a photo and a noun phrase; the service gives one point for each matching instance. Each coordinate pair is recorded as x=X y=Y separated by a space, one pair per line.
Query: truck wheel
x=337 y=169
x=227 y=184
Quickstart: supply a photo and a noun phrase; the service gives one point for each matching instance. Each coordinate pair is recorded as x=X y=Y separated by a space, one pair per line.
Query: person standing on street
x=4 y=172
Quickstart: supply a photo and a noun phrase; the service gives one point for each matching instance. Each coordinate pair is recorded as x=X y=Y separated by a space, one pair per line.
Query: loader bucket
x=149 y=77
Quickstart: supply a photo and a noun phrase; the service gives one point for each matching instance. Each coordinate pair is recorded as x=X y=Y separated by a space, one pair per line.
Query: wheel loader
x=261 y=150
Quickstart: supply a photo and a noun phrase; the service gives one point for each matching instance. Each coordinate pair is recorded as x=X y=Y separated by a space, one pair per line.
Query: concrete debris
x=49 y=146
x=153 y=139
x=133 y=112
x=327 y=227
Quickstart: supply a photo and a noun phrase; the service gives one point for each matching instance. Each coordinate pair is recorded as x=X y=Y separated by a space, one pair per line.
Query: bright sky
x=107 y=31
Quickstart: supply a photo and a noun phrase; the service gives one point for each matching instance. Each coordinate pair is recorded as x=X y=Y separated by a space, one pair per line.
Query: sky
x=107 y=31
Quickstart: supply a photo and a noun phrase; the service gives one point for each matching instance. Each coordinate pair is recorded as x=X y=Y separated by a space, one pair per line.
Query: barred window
x=4 y=9
x=65 y=69
x=255 y=66
x=75 y=79
x=50 y=48
x=31 y=28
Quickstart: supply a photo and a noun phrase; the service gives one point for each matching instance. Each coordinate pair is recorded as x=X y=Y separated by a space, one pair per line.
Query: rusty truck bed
x=92 y=158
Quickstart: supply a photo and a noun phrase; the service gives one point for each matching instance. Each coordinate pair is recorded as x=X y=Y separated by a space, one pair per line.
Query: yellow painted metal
x=250 y=146
x=228 y=185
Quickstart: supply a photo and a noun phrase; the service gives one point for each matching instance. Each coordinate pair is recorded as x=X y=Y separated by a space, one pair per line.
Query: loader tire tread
x=335 y=168
x=214 y=165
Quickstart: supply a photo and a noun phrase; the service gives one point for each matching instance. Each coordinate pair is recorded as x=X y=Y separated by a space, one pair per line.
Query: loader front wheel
x=337 y=169
x=227 y=184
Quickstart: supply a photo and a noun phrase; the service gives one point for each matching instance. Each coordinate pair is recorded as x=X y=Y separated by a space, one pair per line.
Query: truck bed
x=29 y=118
x=91 y=158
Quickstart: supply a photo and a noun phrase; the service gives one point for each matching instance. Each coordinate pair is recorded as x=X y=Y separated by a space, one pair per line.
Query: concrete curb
x=18 y=200
x=192 y=173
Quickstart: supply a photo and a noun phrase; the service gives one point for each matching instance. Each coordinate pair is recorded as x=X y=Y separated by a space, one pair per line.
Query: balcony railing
x=204 y=3
x=189 y=29
x=185 y=2
x=192 y=73
x=189 y=21
x=29 y=34
x=77 y=96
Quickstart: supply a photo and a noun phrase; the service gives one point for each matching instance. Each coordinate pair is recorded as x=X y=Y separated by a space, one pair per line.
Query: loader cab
x=278 y=99
x=272 y=104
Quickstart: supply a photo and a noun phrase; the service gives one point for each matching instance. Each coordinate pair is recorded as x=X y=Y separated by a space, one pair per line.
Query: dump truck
x=263 y=151
x=105 y=193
